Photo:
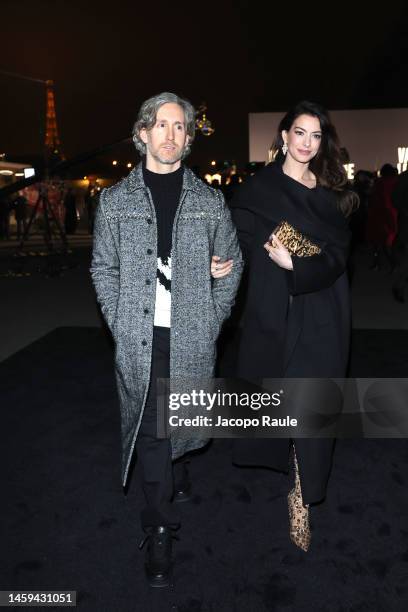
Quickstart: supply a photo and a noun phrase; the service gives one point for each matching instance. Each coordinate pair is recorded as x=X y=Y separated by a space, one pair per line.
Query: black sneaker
x=158 y=563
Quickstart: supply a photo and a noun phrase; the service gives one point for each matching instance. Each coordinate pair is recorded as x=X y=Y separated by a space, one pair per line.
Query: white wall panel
x=372 y=137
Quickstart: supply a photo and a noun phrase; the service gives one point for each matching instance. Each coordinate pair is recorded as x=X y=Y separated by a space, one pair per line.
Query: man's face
x=166 y=140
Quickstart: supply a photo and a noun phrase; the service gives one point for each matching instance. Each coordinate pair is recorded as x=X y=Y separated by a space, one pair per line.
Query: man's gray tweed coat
x=124 y=267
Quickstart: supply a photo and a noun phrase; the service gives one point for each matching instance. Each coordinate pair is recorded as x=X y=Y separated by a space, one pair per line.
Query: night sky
x=240 y=57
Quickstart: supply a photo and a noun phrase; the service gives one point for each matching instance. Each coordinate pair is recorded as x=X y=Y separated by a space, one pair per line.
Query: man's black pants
x=153 y=453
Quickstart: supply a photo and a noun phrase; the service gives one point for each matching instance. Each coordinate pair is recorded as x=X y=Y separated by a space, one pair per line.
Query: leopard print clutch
x=296 y=243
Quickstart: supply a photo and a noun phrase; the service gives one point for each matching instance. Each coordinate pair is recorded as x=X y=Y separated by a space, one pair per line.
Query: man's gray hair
x=148 y=113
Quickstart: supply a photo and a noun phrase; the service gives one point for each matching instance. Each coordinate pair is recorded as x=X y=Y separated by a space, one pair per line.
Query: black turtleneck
x=165 y=190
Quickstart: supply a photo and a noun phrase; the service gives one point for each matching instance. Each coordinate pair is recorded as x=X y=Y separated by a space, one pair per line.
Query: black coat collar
x=275 y=197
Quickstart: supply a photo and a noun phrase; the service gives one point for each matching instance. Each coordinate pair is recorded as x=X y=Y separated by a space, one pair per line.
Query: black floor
x=68 y=526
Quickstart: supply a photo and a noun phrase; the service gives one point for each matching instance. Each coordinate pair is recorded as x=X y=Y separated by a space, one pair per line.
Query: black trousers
x=153 y=453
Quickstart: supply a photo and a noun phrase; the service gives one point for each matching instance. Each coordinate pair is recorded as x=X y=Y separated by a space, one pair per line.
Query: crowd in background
x=380 y=223
x=20 y=208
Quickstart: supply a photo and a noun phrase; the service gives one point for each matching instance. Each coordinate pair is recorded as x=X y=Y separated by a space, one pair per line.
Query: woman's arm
x=318 y=271
x=244 y=222
x=308 y=274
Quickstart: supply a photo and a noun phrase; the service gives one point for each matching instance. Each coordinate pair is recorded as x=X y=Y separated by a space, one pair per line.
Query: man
x=71 y=219
x=4 y=219
x=155 y=234
x=400 y=246
x=20 y=213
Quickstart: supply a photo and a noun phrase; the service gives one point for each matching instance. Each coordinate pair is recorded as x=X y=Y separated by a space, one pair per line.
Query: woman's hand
x=219 y=270
x=279 y=253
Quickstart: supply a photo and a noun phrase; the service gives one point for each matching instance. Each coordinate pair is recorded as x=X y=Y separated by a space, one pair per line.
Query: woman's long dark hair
x=327 y=165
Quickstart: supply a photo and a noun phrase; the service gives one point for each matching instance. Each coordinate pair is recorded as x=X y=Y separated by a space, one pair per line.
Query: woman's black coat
x=307 y=335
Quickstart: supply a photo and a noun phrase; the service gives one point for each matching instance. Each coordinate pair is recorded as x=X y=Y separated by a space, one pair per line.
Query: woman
x=297 y=314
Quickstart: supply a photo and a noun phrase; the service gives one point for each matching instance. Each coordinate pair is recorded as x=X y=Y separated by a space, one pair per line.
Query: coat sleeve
x=244 y=221
x=318 y=271
x=105 y=268
x=226 y=246
x=243 y=217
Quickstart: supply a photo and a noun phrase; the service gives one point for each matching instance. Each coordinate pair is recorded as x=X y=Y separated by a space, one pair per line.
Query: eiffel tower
x=52 y=142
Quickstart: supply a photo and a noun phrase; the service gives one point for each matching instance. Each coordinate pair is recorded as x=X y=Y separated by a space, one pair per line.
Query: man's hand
x=218 y=269
x=279 y=253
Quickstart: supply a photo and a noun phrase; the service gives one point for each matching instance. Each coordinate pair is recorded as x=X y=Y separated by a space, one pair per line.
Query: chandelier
x=202 y=123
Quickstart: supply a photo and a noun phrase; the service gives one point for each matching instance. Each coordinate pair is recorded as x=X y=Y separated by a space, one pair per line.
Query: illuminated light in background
x=7 y=172
x=114 y=163
x=213 y=162
x=29 y=172
x=402 y=164
x=129 y=165
x=85 y=178
x=349 y=168
x=213 y=177
x=19 y=174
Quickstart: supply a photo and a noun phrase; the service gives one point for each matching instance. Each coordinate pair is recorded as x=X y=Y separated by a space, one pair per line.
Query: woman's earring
x=284 y=148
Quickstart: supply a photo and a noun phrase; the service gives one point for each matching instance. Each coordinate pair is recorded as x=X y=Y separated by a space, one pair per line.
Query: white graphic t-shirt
x=163 y=293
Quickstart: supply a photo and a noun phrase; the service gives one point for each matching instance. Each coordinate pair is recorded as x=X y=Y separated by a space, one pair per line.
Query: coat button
x=149 y=221
x=146 y=310
x=148 y=281
x=144 y=342
x=149 y=251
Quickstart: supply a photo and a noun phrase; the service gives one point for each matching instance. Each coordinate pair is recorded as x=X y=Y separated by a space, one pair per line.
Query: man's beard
x=173 y=159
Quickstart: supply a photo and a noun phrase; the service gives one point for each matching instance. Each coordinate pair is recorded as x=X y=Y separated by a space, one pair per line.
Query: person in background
x=4 y=219
x=231 y=188
x=71 y=219
x=382 y=217
x=91 y=204
x=362 y=185
x=400 y=246
x=20 y=213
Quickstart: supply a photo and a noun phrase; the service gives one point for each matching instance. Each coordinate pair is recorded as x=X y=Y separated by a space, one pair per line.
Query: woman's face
x=303 y=139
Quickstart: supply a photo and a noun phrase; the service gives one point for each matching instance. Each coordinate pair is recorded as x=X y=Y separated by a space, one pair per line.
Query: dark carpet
x=68 y=526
